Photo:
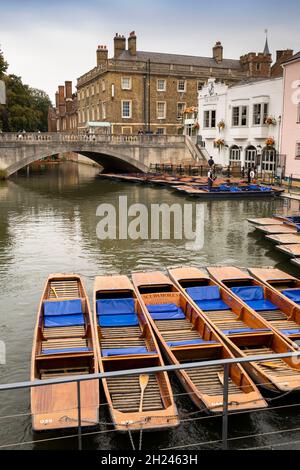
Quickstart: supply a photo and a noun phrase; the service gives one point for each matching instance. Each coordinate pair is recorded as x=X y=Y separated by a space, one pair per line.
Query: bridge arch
x=110 y=160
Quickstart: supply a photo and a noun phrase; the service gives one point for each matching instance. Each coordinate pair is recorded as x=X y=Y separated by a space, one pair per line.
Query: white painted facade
x=243 y=109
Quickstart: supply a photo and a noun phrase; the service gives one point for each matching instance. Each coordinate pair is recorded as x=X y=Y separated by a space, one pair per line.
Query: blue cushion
x=63 y=320
x=165 y=312
x=63 y=307
x=125 y=351
x=254 y=187
x=158 y=308
x=249 y=292
x=115 y=306
x=292 y=294
x=174 y=344
x=118 y=320
x=265 y=188
x=65 y=351
x=224 y=187
x=295 y=219
x=261 y=305
x=235 y=189
x=290 y=332
x=244 y=330
x=204 y=293
x=209 y=305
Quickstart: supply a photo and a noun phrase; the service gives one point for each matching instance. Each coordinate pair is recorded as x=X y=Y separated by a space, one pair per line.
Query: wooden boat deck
x=282 y=369
x=209 y=380
x=284 y=238
x=291 y=250
x=264 y=221
x=205 y=385
x=276 y=229
x=55 y=354
x=126 y=393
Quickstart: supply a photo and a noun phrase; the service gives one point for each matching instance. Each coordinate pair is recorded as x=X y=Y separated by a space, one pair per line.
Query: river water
x=48 y=224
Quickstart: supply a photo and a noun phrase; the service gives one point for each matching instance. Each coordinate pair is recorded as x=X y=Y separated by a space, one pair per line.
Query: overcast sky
x=48 y=42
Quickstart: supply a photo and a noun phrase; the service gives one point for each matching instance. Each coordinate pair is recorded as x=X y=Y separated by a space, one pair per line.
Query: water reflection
x=48 y=224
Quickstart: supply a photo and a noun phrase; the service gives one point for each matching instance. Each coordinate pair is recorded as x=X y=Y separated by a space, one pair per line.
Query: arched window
x=250 y=156
x=269 y=159
x=234 y=155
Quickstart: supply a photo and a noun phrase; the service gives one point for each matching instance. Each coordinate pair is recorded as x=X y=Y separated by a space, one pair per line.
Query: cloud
x=48 y=43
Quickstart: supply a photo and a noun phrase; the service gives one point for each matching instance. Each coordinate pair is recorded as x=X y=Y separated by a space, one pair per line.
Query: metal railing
x=83 y=136
x=225 y=363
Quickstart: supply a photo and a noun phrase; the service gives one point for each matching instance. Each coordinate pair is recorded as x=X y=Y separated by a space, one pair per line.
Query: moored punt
x=296 y=262
x=282 y=315
x=245 y=333
x=284 y=238
x=229 y=192
x=287 y=285
x=125 y=342
x=276 y=229
x=265 y=221
x=186 y=336
x=64 y=346
x=293 y=251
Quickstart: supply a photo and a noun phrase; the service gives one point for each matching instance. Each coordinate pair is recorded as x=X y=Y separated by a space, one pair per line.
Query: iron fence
x=225 y=363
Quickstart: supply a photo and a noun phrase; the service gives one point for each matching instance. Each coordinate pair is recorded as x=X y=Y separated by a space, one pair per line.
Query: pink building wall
x=290 y=131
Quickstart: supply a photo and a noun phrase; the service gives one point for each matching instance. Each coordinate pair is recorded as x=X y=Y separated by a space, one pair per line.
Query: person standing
x=211 y=162
x=210 y=179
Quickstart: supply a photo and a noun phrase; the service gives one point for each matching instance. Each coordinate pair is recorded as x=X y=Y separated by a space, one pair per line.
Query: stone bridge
x=119 y=153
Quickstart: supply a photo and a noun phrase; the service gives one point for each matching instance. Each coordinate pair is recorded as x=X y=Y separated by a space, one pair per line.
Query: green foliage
x=3 y=65
x=26 y=108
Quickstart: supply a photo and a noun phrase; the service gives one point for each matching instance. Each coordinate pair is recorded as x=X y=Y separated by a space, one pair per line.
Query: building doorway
x=269 y=159
x=235 y=156
x=250 y=156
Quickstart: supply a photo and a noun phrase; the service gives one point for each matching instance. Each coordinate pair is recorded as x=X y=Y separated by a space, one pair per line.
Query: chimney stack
x=119 y=45
x=56 y=100
x=132 y=43
x=102 y=55
x=218 y=52
x=68 y=88
x=61 y=99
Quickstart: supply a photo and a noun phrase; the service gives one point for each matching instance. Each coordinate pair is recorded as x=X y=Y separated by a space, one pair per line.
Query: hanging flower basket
x=219 y=143
x=221 y=125
x=196 y=125
x=270 y=121
x=270 y=141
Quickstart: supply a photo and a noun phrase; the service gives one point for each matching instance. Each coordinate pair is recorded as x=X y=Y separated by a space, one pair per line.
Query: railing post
x=225 y=407
x=79 y=416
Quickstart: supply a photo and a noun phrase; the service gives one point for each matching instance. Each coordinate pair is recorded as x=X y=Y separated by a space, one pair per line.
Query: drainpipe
x=149 y=108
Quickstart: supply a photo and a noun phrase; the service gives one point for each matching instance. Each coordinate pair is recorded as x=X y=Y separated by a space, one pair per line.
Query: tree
x=26 y=108
x=3 y=64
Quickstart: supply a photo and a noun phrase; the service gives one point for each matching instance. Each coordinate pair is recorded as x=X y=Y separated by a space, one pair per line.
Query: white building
x=240 y=124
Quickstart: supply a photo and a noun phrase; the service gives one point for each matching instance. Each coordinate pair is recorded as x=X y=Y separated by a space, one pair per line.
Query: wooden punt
x=244 y=332
x=296 y=262
x=274 y=278
x=282 y=315
x=284 y=238
x=64 y=345
x=276 y=229
x=125 y=341
x=265 y=221
x=186 y=336
x=293 y=251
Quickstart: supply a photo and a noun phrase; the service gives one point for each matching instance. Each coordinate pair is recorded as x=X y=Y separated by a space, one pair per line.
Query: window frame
x=263 y=114
x=240 y=116
x=178 y=89
x=130 y=83
x=212 y=117
x=177 y=108
x=165 y=84
x=165 y=109
x=130 y=109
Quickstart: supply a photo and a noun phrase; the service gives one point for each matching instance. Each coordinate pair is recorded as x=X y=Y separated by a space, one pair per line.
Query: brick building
x=64 y=117
x=136 y=90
